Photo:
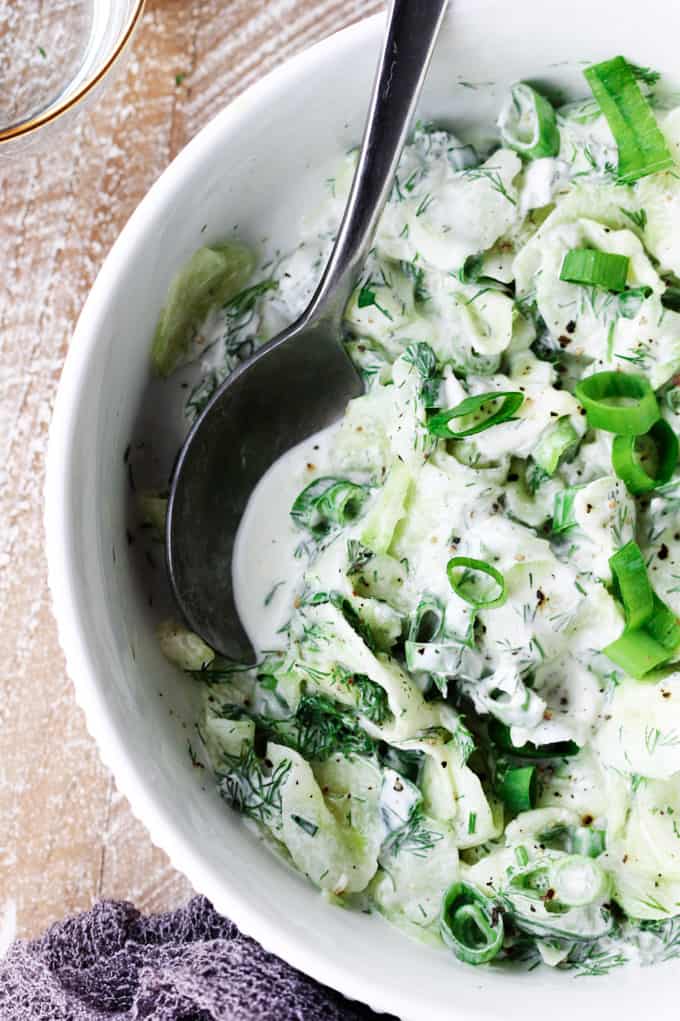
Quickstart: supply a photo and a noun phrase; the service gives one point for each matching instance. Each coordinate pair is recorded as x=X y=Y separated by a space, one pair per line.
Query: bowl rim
x=184 y=855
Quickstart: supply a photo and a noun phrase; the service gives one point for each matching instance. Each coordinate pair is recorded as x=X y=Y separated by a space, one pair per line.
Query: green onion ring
x=470 y=924
x=518 y=789
x=438 y=425
x=636 y=652
x=470 y=564
x=628 y=466
x=629 y=571
x=599 y=394
x=642 y=147
x=652 y=633
x=640 y=650
x=428 y=620
x=527 y=107
x=663 y=626
x=326 y=502
x=593 y=268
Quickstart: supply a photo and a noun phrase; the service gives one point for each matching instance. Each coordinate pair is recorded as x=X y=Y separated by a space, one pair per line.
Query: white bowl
x=258 y=165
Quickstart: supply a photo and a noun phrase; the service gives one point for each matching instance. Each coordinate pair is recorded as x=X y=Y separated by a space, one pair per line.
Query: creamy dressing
x=269 y=554
x=462 y=298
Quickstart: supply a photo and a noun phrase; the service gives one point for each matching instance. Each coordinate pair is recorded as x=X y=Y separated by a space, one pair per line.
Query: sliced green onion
x=629 y=571
x=438 y=425
x=470 y=924
x=652 y=632
x=428 y=620
x=636 y=652
x=211 y=277
x=528 y=123
x=663 y=626
x=593 y=268
x=326 y=502
x=556 y=445
x=642 y=147
x=500 y=735
x=604 y=394
x=563 y=510
x=341 y=502
x=640 y=650
x=518 y=789
x=463 y=574
x=658 y=447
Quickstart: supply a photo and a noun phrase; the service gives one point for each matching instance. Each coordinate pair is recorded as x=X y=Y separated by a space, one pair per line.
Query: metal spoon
x=301 y=380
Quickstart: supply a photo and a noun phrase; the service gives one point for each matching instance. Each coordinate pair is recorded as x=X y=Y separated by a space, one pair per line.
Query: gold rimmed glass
x=55 y=56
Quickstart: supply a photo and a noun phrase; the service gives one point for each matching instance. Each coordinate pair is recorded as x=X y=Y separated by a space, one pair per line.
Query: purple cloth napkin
x=113 y=964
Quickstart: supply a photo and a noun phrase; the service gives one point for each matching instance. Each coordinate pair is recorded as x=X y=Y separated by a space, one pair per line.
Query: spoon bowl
x=297 y=384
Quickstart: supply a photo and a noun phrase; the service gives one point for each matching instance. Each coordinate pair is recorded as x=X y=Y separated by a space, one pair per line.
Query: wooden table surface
x=67 y=838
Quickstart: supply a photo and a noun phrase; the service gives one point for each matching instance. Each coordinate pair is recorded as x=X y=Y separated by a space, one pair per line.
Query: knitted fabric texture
x=113 y=964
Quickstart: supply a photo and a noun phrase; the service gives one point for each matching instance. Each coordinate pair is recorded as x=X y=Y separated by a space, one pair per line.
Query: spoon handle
x=412 y=29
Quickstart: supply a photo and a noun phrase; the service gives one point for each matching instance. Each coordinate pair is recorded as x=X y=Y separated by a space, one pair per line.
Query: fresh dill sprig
x=596 y=961
x=646 y=75
x=424 y=205
x=239 y=312
x=640 y=356
x=201 y=394
x=417 y=275
x=667 y=932
x=249 y=788
x=372 y=699
x=323 y=727
x=414 y=837
x=492 y=175
x=535 y=478
x=636 y=216
x=655 y=738
x=358 y=556
x=463 y=741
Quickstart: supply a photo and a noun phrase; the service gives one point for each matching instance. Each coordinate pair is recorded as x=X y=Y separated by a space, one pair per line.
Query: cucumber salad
x=465 y=714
